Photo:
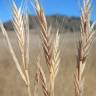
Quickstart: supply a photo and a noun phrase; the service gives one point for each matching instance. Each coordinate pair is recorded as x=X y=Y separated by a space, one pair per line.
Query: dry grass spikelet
x=55 y=62
x=42 y=79
x=21 y=26
x=86 y=39
x=45 y=36
x=22 y=30
x=13 y=54
x=50 y=46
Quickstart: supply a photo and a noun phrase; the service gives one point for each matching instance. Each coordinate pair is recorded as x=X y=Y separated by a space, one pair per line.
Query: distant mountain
x=64 y=23
x=32 y=22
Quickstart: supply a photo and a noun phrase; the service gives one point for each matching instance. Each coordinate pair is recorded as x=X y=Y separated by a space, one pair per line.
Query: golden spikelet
x=21 y=26
x=22 y=31
x=86 y=39
x=47 y=46
x=54 y=67
x=50 y=46
x=13 y=53
x=19 y=29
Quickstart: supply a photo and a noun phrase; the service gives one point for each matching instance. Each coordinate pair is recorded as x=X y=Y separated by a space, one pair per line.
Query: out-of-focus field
x=11 y=83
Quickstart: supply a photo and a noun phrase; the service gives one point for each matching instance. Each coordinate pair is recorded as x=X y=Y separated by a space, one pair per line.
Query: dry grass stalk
x=36 y=83
x=13 y=54
x=44 y=34
x=22 y=31
x=51 y=50
x=42 y=77
x=86 y=38
x=55 y=63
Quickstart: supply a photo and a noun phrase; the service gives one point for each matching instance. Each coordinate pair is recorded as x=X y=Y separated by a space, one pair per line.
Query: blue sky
x=61 y=7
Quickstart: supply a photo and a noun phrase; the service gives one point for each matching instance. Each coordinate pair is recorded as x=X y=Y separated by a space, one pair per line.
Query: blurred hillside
x=64 y=23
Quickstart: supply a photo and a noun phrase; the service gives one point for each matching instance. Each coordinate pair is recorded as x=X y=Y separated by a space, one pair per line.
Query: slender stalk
x=13 y=54
x=42 y=79
x=28 y=83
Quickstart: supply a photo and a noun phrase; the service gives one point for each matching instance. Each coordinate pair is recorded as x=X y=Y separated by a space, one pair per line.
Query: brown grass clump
x=85 y=41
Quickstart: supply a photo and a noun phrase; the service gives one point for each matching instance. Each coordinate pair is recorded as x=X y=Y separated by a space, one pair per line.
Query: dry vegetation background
x=11 y=83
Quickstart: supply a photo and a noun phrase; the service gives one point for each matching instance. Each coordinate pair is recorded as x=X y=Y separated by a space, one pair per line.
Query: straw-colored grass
x=85 y=41
x=51 y=50
x=20 y=26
